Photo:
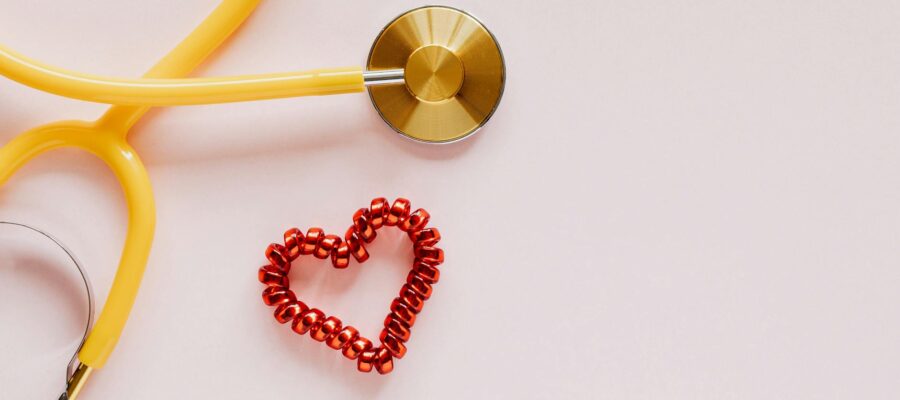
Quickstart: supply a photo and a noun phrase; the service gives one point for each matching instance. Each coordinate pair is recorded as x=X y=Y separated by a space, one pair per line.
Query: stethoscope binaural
x=435 y=74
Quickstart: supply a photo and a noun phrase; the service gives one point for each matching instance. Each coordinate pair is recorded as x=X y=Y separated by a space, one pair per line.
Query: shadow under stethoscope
x=296 y=133
x=43 y=312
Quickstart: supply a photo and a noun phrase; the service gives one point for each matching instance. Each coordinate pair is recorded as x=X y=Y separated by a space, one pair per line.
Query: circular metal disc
x=454 y=73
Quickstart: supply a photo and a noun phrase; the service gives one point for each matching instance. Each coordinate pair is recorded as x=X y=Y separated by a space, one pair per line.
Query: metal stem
x=385 y=77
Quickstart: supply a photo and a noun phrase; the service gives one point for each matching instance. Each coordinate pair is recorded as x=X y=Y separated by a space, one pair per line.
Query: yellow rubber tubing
x=110 y=147
x=177 y=92
x=106 y=138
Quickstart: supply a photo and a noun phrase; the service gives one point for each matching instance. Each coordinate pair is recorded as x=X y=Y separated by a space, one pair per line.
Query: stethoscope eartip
x=453 y=69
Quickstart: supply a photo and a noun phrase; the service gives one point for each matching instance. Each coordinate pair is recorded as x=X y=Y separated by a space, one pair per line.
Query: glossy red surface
x=277 y=295
x=425 y=237
x=271 y=275
x=357 y=347
x=362 y=226
x=287 y=312
x=398 y=212
x=384 y=362
x=343 y=339
x=393 y=344
x=403 y=309
x=415 y=221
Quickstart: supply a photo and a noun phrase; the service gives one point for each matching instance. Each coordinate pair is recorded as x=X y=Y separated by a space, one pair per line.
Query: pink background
x=675 y=200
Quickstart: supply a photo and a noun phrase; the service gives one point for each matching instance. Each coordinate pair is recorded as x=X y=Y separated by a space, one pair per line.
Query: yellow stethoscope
x=435 y=74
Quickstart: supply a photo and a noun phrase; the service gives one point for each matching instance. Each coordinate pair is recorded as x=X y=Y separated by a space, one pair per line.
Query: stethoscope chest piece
x=453 y=70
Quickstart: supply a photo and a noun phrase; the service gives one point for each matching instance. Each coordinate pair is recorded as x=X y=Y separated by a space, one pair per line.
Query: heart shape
x=404 y=308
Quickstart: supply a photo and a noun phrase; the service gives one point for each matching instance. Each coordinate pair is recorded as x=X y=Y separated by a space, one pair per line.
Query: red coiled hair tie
x=404 y=308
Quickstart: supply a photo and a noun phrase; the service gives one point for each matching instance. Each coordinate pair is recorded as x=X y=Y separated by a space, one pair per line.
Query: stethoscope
x=435 y=74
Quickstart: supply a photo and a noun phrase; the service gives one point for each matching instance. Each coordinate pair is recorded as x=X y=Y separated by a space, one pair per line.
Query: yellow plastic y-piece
x=106 y=139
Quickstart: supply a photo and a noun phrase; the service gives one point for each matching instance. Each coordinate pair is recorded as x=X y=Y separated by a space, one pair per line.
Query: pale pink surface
x=673 y=201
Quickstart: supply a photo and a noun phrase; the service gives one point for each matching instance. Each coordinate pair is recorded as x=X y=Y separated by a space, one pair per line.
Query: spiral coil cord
x=73 y=362
x=330 y=329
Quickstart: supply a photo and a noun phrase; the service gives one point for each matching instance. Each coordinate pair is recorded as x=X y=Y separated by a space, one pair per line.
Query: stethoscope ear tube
x=74 y=363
